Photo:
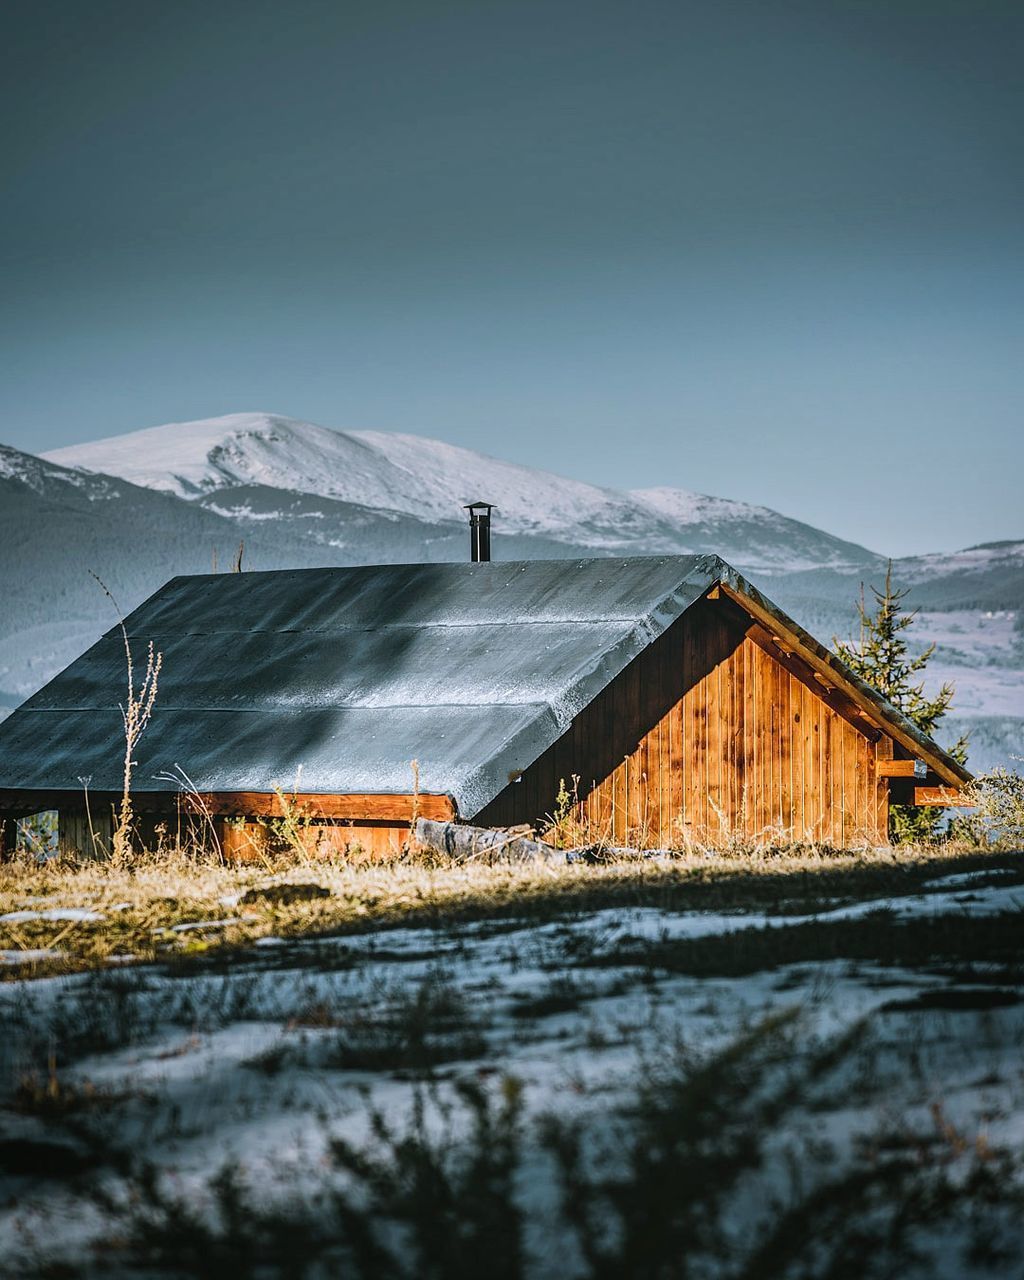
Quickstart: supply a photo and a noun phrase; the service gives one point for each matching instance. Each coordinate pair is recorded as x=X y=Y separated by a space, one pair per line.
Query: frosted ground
x=903 y=1051
x=979 y=653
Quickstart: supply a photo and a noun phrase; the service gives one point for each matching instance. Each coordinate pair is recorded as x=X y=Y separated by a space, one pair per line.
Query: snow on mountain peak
x=430 y=480
x=683 y=506
x=183 y=458
x=417 y=476
x=37 y=473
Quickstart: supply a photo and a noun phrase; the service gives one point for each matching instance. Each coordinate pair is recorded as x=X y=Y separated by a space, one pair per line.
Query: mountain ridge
x=430 y=480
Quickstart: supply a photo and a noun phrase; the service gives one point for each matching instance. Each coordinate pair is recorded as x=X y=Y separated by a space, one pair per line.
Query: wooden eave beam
x=947 y=797
x=24 y=803
x=343 y=807
x=825 y=690
x=902 y=769
x=352 y=807
x=791 y=658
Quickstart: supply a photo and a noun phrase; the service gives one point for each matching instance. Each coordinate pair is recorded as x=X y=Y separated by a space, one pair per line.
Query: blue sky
x=772 y=252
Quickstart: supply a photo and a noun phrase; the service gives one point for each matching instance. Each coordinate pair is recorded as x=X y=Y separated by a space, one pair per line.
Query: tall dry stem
x=411 y=840
x=135 y=715
x=197 y=805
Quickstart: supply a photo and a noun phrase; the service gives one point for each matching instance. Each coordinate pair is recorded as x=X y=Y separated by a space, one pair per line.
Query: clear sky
x=771 y=251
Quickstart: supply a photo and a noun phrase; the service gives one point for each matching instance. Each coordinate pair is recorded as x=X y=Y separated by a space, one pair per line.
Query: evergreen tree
x=882 y=659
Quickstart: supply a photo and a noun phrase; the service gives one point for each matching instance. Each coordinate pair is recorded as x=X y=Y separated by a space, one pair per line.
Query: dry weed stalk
x=135 y=714
x=99 y=848
x=566 y=827
x=411 y=840
x=296 y=828
x=196 y=805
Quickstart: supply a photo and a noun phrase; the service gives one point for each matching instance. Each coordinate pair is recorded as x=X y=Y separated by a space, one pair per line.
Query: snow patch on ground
x=53 y=913
x=29 y=955
x=208 y=924
x=234 y=1064
x=970 y=877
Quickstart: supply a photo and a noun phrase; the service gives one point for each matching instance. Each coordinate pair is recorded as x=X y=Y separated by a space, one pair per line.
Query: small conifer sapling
x=882 y=657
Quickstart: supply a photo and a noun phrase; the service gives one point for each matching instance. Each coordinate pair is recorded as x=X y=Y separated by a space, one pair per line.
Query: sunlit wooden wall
x=707 y=737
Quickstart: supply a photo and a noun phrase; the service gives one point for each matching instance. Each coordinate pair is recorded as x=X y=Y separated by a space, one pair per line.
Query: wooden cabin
x=679 y=704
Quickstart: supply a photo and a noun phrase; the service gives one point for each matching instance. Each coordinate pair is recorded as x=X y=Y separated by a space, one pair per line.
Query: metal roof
x=335 y=680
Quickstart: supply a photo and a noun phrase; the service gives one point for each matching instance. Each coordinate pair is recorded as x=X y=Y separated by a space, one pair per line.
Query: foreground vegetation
x=763 y=1064
x=63 y=916
x=697 y=1082
x=663 y=1190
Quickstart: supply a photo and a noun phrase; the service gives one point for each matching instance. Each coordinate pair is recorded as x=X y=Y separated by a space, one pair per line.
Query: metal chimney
x=479 y=530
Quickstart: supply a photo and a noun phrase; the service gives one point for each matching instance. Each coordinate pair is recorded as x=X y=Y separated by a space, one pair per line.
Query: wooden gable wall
x=711 y=734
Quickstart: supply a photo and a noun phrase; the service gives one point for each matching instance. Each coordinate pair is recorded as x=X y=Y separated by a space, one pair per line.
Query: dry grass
x=143 y=907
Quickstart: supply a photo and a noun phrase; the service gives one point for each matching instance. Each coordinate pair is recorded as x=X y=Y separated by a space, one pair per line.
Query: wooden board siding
x=239 y=839
x=242 y=841
x=712 y=734
x=375 y=825
x=87 y=834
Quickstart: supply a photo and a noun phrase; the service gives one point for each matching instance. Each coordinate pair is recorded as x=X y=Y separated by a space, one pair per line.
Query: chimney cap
x=475 y=506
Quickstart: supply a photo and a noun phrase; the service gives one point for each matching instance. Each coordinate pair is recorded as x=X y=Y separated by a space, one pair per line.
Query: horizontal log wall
x=240 y=824
x=251 y=841
x=707 y=737
x=249 y=833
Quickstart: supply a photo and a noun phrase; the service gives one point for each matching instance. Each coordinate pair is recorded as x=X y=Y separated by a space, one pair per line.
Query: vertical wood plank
x=883 y=751
x=8 y=837
x=750 y=760
x=786 y=743
x=713 y=758
x=733 y=726
x=827 y=779
x=621 y=775
x=809 y=704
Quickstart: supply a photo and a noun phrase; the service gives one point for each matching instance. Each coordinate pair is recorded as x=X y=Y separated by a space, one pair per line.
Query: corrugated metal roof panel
x=419 y=595
x=473 y=670
x=348 y=749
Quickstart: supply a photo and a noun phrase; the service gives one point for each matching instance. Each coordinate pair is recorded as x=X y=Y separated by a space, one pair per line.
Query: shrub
x=998 y=816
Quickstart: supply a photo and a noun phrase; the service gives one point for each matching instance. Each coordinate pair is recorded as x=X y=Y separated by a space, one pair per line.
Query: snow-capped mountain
x=242 y=464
